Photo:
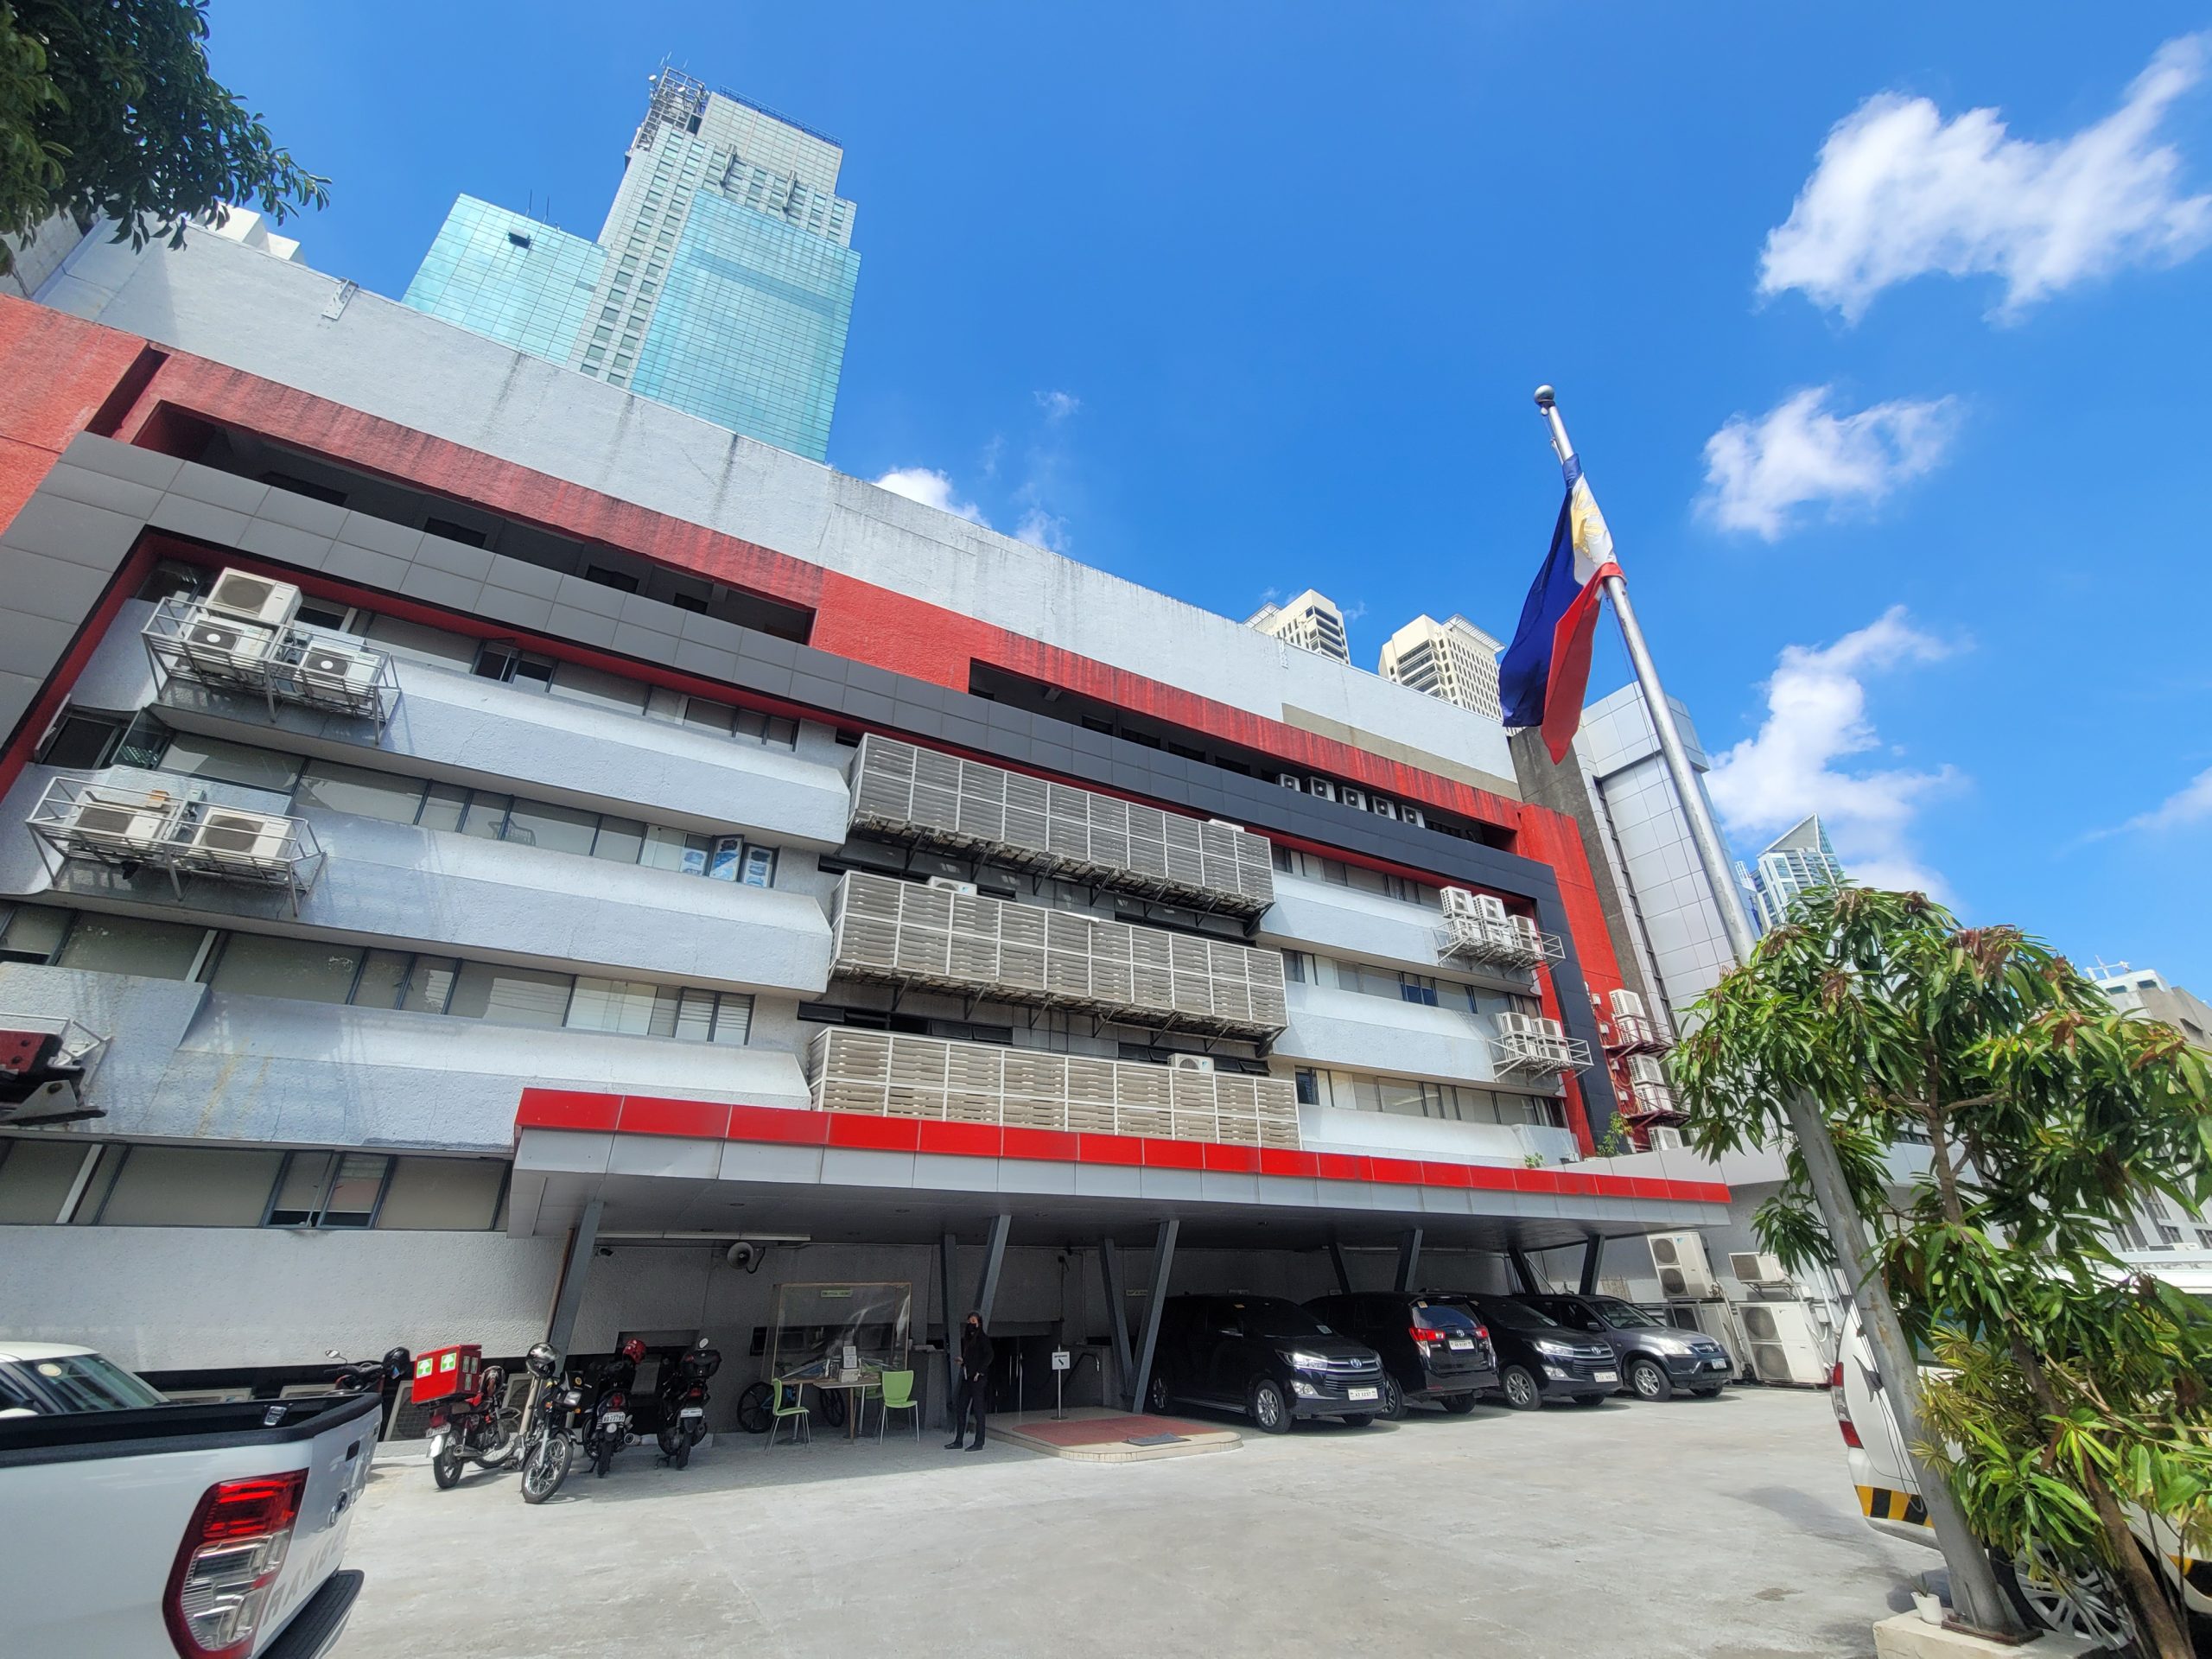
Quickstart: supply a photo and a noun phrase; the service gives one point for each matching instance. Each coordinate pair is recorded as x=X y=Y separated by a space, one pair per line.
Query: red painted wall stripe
x=558 y=1109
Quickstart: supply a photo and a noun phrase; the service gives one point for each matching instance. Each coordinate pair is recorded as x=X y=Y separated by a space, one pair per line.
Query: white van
x=2046 y=1595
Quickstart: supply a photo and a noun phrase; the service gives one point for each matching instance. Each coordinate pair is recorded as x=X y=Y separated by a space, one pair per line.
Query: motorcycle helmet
x=633 y=1350
x=702 y=1359
x=541 y=1360
x=398 y=1364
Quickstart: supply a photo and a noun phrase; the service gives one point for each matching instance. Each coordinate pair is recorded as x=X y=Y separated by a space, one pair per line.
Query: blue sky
x=1902 y=440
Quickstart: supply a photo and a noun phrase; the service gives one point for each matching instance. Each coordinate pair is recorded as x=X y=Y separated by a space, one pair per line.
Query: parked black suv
x=1539 y=1359
x=1431 y=1350
x=1265 y=1357
x=1656 y=1358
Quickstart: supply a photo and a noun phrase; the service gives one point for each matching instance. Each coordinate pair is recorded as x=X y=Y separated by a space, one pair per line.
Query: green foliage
x=1614 y=1143
x=107 y=109
x=2065 y=1377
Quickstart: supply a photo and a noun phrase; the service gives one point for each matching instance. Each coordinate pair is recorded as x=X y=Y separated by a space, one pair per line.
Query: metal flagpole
x=1973 y=1586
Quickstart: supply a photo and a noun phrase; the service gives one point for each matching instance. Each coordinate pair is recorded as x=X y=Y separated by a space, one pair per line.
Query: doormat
x=1154 y=1440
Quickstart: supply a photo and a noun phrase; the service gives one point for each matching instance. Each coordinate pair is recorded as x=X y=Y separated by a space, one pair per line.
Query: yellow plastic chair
x=898 y=1395
x=796 y=1414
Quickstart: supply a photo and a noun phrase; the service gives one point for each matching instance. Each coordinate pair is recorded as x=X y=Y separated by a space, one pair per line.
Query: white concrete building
x=1453 y=660
x=1311 y=621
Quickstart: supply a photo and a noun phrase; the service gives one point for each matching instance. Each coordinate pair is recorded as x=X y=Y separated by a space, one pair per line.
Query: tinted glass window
x=90 y=1383
x=1622 y=1316
x=365 y=794
x=1442 y=1316
x=1515 y=1316
x=1268 y=1316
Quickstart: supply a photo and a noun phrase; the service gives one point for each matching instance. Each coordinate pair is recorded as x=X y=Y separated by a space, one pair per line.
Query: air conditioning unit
x=1413 y=814
x=1322 y=787
x=1758 y=1268
x=1550 y=1030
x=256 y=599
x=1643 y=1069
x=1510 y=1023
x=244 y=838
x=97 y=826
x=1626 y=1005
x=1684 y=1273
x=1388 y=809
x=1665 y=1138
x=1355 y=799
x=1491 y=908
x=1458 y=901
x=1785 y=1350
x=223 y=643
x=1531 y=935
x=1190 y=1062
x=1290 y=780
x=946 y=884
x=337 y=672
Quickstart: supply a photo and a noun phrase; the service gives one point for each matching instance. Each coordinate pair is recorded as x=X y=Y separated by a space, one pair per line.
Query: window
x=553 y=828
x=31 y=933
x=581 y=684
x=1297 y=967
x=695 y=603
x=511 y=997
x=454 y=532
x=190 y=1186
x=760 y=866
x=440 y=648
x=302 y=487
x=329 y=1189
x=307 y=970
x=229 y=763
x=497 y=660
x=128 y=944
x=83 y=739
x=1309 y=1086
x=358 y=791
x=35 y=1178
x=443 y=1195
x=518 y=239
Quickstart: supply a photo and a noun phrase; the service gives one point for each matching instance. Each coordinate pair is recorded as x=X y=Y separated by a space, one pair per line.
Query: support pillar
x=1523 y=1271
x=1408 y=1257
x=986 y=1281
x=1118 y=1321
x=1337 y=1260
x=947 y=1266
x=1163 y=1259
x=583 y=1240
x=1594 y=1254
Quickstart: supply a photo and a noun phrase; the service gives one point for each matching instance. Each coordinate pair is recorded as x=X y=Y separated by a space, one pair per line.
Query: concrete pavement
x=1722 y=1530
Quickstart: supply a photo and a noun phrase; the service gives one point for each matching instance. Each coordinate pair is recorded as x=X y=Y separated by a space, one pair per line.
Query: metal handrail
x=292 y=663
x=1516 y=1052
x=1481 y=939
x=177 y=828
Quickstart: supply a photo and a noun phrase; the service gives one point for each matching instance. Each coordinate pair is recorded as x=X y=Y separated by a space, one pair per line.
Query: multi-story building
x=722 y=283
x=469 y=835
x=1453 y=660
x=1797 y=860
x=2145 y=991
x=1311 y=621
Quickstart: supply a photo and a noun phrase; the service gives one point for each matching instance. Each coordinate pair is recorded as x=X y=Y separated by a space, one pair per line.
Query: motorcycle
x=384 y=1378
x=609 y=1430
x=681 y=1394
x=555 y=1425
x=478 y=1426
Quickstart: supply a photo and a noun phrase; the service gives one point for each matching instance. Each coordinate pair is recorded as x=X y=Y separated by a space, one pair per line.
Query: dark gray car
x=1656 y=1359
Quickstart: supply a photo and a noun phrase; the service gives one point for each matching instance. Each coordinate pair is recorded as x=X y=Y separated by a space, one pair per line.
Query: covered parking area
x=603 y=1170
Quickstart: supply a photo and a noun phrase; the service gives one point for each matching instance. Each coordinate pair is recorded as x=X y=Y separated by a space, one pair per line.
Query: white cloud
x=1815 y=716
x=1797 y=453
x=1058 y=405
x=1043 y=528
x=931 y=489
x=2189 y=805
x=1899 y=192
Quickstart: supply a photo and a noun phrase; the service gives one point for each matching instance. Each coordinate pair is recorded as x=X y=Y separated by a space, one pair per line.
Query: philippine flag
x=1545 y=671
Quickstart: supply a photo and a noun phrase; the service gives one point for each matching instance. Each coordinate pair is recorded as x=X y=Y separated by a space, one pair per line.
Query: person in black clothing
x=974 y=1384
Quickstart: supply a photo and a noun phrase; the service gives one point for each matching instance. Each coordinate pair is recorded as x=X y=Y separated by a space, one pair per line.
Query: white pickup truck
x=140 y=1528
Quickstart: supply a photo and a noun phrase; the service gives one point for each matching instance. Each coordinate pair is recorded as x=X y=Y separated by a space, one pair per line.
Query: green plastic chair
x=795 y=1412
x=898 y=1395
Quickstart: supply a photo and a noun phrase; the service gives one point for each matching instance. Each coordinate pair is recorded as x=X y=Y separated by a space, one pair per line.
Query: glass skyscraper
x=1795 y=863
x=722 y=283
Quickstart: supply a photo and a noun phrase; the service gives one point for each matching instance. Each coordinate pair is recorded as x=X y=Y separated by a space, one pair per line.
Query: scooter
x=681 y=1394
x=555 y=1425
x=609 y=1430
x=477 y=1427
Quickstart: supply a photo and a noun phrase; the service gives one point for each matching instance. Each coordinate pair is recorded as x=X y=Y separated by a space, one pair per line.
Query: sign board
x=1060 y=1360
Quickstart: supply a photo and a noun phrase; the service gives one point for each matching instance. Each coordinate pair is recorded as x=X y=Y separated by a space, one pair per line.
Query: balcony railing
x=1537 y=1053
x=1514 y=942
x=904 y=933
x=47 y=1062
x=176 y=829
x=1650 y=1100
x=1635 y=1033
x=892 y=1075
x=188 y=644
x=907 y=792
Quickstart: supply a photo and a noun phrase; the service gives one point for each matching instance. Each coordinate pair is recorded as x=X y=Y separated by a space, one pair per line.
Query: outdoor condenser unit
x=242 y=594
x=1785 y=1350
x=1684 y=1273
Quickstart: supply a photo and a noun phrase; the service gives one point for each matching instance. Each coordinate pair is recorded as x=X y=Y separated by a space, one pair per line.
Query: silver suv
x=1656 y=1359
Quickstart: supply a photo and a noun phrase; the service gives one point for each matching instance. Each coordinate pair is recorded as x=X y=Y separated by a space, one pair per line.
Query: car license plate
x=1360 y=1394
x=1606 y=1376
x=692 y=1411
x=1461 y=1344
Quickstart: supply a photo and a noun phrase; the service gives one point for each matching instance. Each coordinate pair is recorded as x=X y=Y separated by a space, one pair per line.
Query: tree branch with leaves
x=2068 y=1408
x=108 y=110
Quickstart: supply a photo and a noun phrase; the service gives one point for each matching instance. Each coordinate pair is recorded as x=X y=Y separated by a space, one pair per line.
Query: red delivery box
x=443 y=1372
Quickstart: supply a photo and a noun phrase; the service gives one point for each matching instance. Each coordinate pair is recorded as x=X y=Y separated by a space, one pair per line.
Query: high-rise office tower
x=1798 y=860
x=1311 y=621
x=1454 y=660
x=722 y=283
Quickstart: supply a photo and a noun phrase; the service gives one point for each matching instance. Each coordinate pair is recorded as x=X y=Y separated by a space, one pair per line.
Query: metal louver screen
x=905 y=789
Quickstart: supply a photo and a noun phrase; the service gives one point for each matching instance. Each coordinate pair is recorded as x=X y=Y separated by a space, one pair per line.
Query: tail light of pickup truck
x=228 y=1563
